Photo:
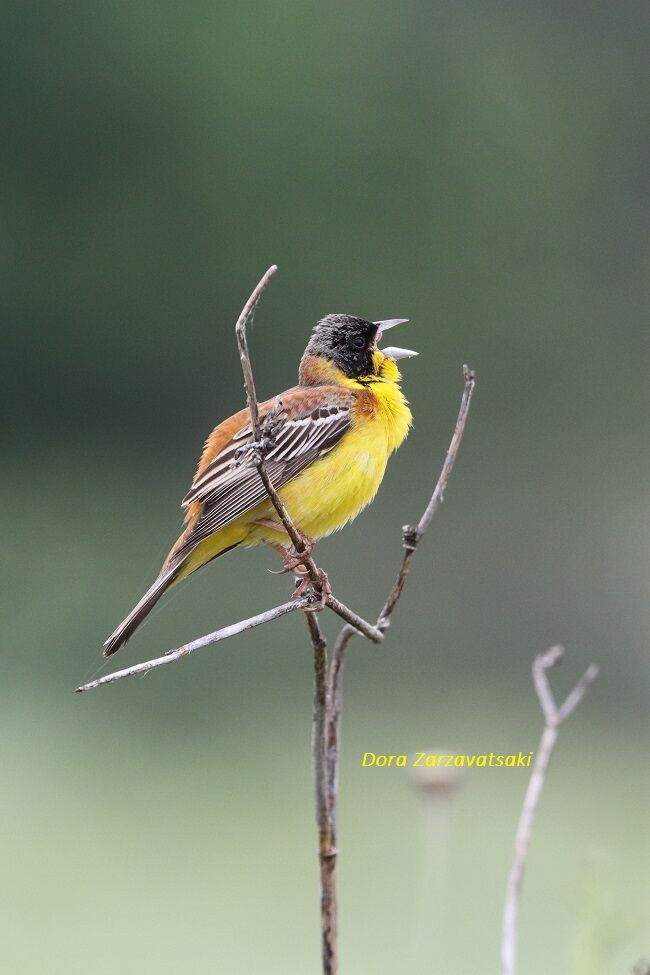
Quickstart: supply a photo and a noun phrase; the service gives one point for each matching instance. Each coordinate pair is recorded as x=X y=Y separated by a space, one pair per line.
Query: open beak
x=392 y=352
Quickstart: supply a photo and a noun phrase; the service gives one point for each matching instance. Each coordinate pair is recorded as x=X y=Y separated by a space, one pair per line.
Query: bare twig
x=411 y=538
x=251 y=399
x=352 y=619
x=333 y=730
x=554 y=716
x=326 y=842
x=204 y=641
x=240 y=331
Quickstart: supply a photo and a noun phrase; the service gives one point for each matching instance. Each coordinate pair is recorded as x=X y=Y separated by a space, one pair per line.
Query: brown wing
x=309 y=423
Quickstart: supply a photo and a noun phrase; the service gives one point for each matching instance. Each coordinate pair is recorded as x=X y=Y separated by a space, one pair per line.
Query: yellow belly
x=337 y=487
x=334 y=489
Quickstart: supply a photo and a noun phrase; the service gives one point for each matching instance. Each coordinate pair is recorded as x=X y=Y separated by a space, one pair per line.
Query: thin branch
x=319 y=645
x=253 y=406
x=326 y=845
x=372 y=633
x=544 y=662
x=411 y=538
x=575 y=697
x=333 y=730
x=438 y=495
x=240 y=332
x=224 y=633
x=251 y=399
x=554 y=716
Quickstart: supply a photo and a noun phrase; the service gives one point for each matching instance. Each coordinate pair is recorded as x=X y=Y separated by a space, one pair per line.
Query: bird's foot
x=323 y=590
x=256 y=450
x=293 y=561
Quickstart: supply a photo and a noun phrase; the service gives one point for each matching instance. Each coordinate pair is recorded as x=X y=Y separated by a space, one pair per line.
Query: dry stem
x=326 y=841
x=554 y=716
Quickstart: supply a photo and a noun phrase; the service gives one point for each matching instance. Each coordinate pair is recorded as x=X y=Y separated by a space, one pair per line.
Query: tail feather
x=129 y=625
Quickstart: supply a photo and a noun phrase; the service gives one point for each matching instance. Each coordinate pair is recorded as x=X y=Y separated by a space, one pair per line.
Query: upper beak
x=390 y=323
x=392 y=352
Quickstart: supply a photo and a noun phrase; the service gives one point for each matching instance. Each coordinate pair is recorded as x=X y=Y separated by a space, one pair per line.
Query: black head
x=346 y=341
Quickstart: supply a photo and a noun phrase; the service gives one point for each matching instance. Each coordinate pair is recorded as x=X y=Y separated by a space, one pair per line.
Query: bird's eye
x=357 y=341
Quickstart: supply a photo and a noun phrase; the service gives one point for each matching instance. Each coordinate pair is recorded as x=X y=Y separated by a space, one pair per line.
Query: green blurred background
x=480 y=168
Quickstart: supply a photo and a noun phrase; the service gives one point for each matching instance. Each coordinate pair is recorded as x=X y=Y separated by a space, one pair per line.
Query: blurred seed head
x=437 y=781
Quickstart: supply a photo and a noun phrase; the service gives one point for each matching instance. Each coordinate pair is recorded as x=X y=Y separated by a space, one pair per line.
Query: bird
x=327 y=443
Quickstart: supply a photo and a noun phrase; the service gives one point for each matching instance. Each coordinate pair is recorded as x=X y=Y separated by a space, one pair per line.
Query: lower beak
x=392 y=352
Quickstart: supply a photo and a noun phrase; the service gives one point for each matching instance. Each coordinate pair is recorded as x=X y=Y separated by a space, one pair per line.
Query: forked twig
x=554 y=717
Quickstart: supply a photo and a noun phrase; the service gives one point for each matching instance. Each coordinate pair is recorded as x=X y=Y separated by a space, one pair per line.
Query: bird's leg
x=293 y=561
x=282 y=550
x=297 y=559
x=275 y=526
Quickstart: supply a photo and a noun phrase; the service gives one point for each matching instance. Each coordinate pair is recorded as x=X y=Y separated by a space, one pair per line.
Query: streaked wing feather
x=302 y=435
x=228 y=491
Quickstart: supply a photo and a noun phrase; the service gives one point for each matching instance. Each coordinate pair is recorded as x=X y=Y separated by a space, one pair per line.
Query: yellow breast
x=334 y=489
